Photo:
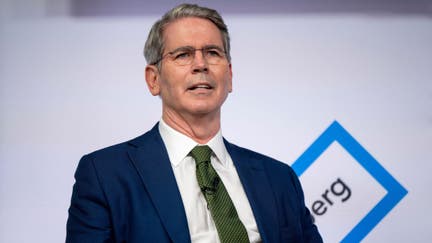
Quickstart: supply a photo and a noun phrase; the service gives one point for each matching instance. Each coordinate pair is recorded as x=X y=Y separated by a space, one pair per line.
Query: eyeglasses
x=185 y=55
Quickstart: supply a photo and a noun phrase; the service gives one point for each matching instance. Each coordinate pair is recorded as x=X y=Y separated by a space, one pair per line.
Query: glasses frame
x=193 y=50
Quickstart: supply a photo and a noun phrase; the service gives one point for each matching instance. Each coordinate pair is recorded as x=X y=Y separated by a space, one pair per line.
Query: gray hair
x=154 y=45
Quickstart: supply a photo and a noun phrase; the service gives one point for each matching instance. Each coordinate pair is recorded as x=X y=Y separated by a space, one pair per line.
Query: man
x=181 y=181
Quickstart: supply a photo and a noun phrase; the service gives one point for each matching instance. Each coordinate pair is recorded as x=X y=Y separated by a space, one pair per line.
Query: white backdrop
x=73 y=85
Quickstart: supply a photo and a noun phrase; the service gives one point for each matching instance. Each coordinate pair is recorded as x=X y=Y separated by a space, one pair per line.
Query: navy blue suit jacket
x=128 y=193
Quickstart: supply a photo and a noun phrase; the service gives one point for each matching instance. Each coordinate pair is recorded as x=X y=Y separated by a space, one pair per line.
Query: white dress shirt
x=201 y=225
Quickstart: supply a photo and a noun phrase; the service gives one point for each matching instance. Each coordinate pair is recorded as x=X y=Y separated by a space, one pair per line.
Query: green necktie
x=230 y=228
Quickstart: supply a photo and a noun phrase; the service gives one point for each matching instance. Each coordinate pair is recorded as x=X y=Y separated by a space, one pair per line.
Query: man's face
x=198 y=88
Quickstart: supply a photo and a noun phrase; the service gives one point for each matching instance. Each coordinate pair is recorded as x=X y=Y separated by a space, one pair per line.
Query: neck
x=200 y=128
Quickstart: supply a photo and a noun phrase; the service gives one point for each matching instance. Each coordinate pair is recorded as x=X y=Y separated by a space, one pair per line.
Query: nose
x=199 y=62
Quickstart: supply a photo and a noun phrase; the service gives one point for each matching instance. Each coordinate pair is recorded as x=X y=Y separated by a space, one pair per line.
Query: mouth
x=200 y=86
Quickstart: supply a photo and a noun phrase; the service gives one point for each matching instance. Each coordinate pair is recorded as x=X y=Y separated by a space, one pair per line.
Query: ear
x=152 y=79
x=230 y=78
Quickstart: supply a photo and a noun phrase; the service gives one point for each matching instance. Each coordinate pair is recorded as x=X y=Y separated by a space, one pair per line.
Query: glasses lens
x=213 y=55
x=183 y=57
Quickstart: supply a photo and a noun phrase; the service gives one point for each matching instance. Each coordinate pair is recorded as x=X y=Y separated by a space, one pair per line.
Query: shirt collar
x=179 y=145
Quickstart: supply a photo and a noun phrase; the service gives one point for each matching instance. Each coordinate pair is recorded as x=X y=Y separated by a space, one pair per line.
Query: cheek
x=167 y=90
x=172 y=80
x=166 y=85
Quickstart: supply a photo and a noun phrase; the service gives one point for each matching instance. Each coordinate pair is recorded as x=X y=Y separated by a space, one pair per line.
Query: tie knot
x=201 y=153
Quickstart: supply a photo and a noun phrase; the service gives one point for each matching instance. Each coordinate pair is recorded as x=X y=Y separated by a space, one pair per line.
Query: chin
x=203 y=110
x=204 y=107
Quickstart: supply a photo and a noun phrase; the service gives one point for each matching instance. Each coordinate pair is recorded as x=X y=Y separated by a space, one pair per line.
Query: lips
x=200 y=86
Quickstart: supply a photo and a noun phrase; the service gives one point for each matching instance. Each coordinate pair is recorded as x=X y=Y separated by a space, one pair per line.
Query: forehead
x=191 y=31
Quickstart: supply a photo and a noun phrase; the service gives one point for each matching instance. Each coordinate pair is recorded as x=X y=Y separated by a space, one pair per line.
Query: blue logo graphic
x=395 y=191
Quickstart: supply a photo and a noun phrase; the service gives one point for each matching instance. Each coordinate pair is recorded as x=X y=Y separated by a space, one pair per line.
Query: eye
x=213 y=53
x=182 y=55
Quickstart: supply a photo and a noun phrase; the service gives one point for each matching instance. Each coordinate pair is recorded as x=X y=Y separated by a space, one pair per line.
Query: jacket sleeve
x=310 y=231
x=89 y=215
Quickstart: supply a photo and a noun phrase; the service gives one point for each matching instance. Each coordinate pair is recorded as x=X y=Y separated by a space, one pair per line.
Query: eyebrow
x=183 y=48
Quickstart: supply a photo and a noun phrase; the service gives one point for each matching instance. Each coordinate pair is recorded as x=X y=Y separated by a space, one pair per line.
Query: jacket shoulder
x=114 y=151
x=267 y=161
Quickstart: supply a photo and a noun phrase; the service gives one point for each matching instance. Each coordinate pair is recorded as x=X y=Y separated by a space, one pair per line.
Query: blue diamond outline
x=395 y=191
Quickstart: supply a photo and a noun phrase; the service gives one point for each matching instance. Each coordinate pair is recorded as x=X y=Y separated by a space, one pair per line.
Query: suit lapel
x=258 y=190
x=151 y=160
